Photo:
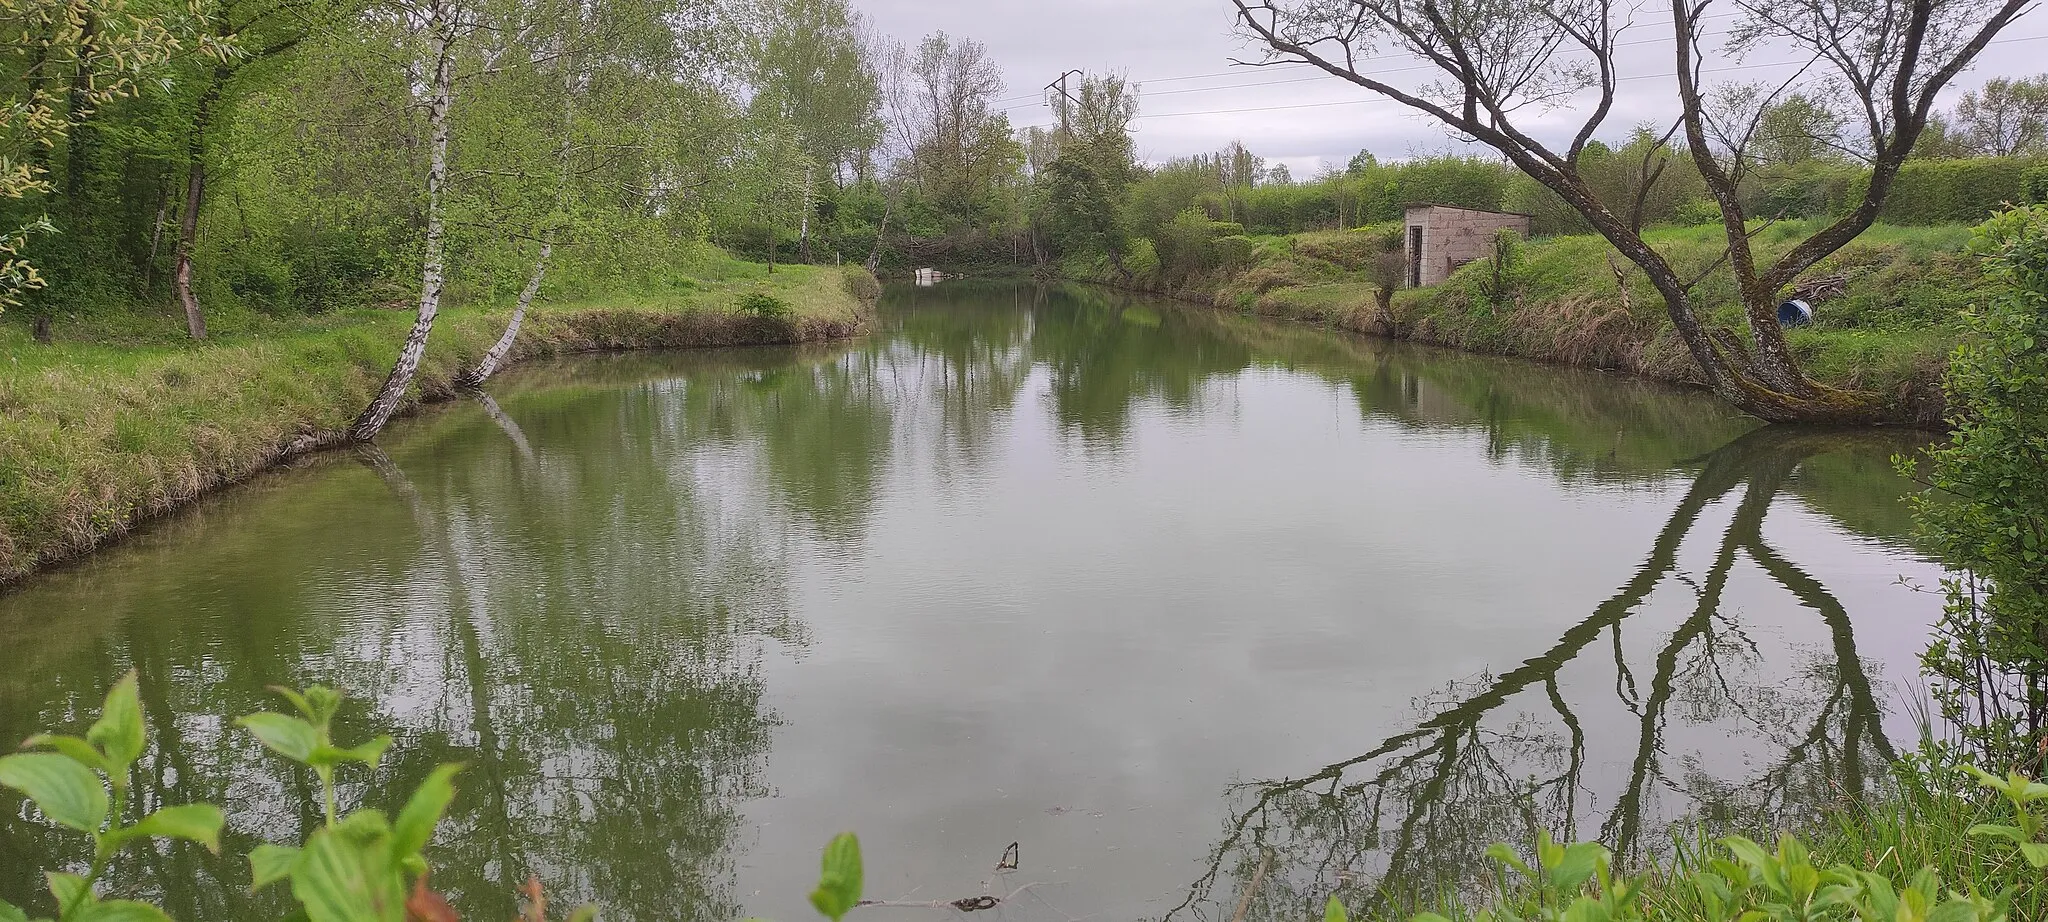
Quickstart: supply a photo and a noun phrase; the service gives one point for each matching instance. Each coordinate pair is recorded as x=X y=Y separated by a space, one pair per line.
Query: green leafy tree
x=66 y=59
x=1988 y=664
x=1800 y=128
x=2005 y=117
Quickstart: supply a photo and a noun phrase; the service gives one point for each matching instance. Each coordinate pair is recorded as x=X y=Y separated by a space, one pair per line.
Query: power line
x=1382 y=99
x=1365 y=60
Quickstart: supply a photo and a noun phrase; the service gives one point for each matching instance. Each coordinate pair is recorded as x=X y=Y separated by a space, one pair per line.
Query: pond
x=1174 y=600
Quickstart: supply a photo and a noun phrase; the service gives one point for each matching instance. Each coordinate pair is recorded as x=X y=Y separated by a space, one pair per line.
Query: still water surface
x=1160 y=595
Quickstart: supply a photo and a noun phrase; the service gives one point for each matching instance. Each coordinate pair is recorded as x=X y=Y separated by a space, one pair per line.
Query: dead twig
x=963 y=904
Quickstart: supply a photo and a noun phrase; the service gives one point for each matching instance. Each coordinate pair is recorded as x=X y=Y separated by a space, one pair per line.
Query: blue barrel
x=1795 y=313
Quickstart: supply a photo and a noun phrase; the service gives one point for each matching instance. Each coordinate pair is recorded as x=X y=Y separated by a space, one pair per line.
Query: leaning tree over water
x=1496 y=68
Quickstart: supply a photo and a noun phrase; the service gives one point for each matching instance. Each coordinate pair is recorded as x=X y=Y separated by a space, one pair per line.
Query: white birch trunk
x=804 y=220
x=488 y=365
x=495 y=357
x=433 y=277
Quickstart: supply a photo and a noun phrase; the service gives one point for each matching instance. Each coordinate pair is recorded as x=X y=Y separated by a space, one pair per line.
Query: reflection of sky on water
x=1099 y=578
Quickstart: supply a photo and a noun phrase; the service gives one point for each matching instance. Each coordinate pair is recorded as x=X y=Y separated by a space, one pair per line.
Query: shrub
x=1950 y=191
x=2034 y=185
x=1989 y=661
x=764 y=306
x=1697 y=212
x=1234 y=252
x=1142 y=260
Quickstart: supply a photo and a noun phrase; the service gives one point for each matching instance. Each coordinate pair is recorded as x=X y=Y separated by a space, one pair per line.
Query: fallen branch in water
x=987 y=900
x=964 y=904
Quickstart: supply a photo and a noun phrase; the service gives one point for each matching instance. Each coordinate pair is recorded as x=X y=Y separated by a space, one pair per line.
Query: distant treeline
x=1927 y=192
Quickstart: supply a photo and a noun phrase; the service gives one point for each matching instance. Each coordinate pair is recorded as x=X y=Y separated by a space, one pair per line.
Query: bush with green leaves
x=355 y=868
x=69 y=778
x=764 y=306
x=1735 y=879
x=1987 y=511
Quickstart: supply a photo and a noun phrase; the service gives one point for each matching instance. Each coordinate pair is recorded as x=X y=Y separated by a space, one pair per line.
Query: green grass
x=1889 y=329
x=98 y=433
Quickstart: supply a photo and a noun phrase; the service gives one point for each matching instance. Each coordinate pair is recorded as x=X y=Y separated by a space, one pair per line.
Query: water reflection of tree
x=1105 y=353
x=577 y=609
x=958 y=370
x=1498 y=758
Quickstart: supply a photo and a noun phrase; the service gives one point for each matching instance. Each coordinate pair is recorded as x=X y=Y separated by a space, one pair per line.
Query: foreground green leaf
x=290 y=737
x=199 y=823
x=840 y=884
x=67 y=889
x=121 y=911
x=269 y=864
x=414 y=827
x=119 y=731
x=71 y=746
x=66 y=791
x=346 y=874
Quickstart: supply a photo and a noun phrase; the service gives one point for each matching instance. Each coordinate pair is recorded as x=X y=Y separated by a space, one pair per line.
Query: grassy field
x=120 y=419
x=1886 y=323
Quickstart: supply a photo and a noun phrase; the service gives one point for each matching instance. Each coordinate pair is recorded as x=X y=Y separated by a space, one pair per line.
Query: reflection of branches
x=1436 y=794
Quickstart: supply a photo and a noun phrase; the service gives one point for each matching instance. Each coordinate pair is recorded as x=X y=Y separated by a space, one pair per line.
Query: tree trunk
x=433 y=274
x=156 y=237
x=804 y=221
x=874 y=262
x=78 y=155
x=488 y=365
x=195 y=196
x=188 y=234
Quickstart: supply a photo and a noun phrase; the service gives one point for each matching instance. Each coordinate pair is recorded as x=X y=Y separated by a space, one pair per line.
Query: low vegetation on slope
x=1889 y=305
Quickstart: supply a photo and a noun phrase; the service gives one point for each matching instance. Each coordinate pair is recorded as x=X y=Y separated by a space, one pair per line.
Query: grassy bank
x=99 y=434
x=1887 y=304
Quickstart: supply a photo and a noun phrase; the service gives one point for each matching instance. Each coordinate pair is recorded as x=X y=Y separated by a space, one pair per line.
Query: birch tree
x=440 y=23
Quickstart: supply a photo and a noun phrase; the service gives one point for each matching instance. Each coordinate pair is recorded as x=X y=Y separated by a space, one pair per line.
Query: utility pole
x=1065 y=100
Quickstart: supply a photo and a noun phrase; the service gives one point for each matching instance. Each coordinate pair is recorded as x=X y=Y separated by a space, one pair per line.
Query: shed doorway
x=1415 y=256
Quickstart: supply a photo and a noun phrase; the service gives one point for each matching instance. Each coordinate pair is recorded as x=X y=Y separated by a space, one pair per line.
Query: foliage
x=1988 y=664
x=363 y=866
x=839 y=882
x=67 y=778
x=1952 y=191
x=72 y=57
x=1737 y=878
x=2007 y=117
x=1500 y=284
x=765 y=306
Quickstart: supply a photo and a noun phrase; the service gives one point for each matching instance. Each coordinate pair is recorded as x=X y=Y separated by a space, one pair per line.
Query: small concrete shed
x=1441 y=238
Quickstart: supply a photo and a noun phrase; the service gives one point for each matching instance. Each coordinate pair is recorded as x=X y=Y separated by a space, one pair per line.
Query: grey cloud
x=1035 y=40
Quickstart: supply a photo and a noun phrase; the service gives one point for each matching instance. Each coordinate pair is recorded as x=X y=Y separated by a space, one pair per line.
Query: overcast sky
x=1180 y=51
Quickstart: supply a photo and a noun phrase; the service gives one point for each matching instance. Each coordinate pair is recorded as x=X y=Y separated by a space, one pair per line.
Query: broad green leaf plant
x=362 y=866
x=359 y=867
x=355 y=868
x=69 y=778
